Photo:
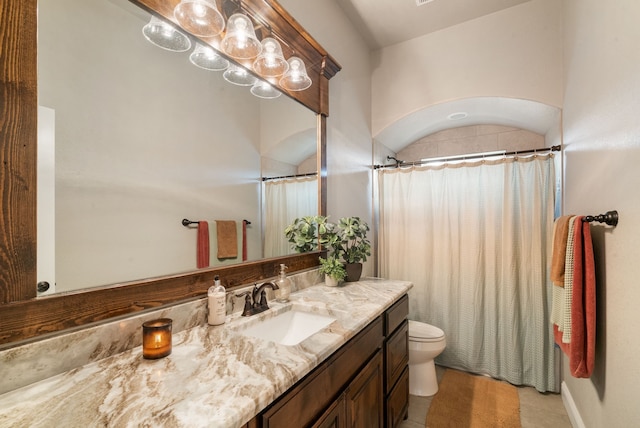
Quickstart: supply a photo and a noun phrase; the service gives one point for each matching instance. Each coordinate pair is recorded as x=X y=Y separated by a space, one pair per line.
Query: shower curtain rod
x=400 y=163
x=309 y=174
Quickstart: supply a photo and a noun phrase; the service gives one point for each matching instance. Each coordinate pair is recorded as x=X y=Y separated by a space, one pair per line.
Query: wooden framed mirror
x=25 y=316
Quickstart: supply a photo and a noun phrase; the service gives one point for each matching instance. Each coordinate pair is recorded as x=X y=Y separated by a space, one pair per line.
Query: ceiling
x=387 y=22
x=384 y=23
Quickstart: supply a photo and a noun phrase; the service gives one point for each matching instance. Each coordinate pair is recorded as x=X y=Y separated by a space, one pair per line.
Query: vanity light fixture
x=239 y=76
x=270 y=62
x=240 y=41
x=264 y=89
x=296 y=78
x=199 y=17
x=207 y=58
x=166 y=36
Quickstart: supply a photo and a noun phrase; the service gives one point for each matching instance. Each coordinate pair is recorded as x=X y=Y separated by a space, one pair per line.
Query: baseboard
x=570 y=407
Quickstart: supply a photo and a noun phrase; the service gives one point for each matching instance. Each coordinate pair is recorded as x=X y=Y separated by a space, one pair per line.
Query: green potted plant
x=351 y=244
x=333 y=270
x=346 y=241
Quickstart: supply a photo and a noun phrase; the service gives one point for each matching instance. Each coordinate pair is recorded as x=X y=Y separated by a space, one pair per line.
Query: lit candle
x=156 y=338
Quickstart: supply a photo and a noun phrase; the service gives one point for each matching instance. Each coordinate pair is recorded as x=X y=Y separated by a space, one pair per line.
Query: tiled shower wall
x=471 y=139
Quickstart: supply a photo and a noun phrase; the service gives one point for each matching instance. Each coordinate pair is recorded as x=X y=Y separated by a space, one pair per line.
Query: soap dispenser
x=217 y=297
x=284 y=286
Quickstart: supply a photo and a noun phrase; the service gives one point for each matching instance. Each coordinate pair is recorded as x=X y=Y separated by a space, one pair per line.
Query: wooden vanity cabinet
x=361 y=385
x=360 y=404
x=396 y=362
x=307 y=401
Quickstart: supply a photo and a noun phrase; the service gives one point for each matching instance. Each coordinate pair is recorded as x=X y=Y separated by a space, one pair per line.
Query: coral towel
x=227 y=239
x=581 y=349
x=202 y=260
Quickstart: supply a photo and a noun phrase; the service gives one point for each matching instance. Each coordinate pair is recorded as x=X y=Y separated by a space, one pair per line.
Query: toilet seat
x=422 y=332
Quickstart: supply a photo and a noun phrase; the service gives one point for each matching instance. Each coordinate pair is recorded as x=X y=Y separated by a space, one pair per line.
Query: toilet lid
x=424 y=332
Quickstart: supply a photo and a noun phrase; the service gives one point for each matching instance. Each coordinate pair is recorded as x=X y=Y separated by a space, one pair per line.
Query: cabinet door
x=398 y=401
x=396 y=355
x=364 y=398
x=335 y=416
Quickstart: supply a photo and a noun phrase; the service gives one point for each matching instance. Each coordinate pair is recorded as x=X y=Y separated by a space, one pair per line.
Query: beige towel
x=558 y=256
x=227 y=239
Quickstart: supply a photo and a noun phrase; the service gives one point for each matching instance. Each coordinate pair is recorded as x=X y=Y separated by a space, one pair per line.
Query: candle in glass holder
x=156 y=338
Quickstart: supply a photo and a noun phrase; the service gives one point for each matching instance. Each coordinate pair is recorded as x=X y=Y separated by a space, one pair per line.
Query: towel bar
x=610 y=218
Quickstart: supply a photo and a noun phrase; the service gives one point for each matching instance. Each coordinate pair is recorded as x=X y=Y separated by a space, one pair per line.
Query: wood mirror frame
x=23 y=316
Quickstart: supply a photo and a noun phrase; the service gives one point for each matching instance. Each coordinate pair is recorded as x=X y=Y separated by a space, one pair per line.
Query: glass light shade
x=296 y=78
x=207 y=58
x=270 y=62
x=238 y=76
x=264 y=89
x=199 y=17
x=166 y=36
x=240 y=41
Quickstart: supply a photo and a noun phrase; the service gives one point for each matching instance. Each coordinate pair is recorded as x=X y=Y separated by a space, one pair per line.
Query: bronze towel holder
x=186 y=222
x=610 y=218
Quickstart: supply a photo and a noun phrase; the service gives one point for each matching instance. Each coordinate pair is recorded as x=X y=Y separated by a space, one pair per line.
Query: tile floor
x=536 y=410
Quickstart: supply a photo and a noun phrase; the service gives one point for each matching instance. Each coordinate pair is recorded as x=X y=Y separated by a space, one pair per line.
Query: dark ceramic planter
x=354 y=271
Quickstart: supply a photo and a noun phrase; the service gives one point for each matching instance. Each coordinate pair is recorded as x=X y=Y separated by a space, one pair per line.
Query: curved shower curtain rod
x=400 y=163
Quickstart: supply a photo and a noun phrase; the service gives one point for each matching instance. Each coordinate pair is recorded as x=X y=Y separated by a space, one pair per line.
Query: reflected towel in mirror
x=203 y=245
x=227 y=239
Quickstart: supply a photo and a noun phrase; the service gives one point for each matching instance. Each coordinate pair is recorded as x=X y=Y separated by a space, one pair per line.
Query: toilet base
x=422 y=379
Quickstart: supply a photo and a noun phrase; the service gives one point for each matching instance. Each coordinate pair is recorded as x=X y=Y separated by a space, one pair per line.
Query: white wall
x=349 y=127
x=602 y=137
x=513 y=53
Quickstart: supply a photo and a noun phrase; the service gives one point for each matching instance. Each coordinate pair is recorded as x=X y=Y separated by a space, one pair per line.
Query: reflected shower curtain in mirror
x=475 y=240
x=284 y=201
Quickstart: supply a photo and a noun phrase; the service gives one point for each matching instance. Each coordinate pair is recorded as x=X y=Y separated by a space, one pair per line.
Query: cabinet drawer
x=396 y=314
x=398 y=400
x=396 y=354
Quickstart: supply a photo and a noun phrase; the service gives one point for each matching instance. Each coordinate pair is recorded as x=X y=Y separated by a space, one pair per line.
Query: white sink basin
x=288 y=328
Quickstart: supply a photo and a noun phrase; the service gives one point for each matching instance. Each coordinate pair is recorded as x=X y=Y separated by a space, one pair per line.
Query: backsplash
x=32 y=362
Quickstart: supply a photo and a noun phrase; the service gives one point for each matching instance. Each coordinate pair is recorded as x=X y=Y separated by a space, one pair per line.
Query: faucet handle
x=263 y=300
x=248 y=307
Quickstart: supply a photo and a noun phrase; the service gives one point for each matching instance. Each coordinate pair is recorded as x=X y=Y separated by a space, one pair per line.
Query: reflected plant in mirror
x=140 y=138
x=307 y=233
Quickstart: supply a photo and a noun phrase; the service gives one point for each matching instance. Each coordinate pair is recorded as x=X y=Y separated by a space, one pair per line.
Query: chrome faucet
x=255 y=301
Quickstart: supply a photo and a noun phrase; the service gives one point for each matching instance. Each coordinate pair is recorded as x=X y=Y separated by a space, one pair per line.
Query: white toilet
x=425 y=343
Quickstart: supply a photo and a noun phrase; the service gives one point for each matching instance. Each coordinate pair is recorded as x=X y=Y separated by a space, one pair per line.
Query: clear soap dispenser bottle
x=284 y=286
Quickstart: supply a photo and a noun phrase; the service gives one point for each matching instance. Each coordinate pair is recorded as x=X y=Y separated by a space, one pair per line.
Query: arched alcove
x=523 y=114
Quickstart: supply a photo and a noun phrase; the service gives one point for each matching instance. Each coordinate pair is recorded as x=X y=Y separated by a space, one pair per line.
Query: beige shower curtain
x=284 y=201
x=474 y=238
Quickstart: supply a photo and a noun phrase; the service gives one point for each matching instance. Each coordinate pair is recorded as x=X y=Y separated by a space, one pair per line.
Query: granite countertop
x=214 y=377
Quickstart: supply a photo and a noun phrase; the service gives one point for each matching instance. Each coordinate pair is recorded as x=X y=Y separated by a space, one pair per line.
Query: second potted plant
x=333 y=270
